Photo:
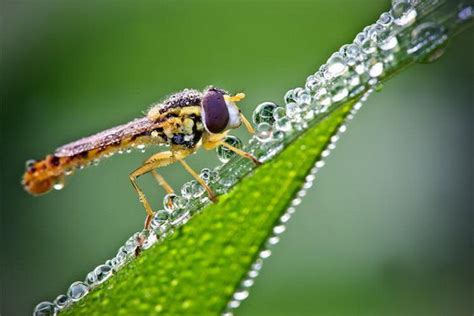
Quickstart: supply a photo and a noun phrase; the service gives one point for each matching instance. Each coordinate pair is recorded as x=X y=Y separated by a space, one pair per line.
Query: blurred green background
x=387 y=229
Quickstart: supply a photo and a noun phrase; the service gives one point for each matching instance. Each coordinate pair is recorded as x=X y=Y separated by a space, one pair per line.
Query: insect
x=184 y=121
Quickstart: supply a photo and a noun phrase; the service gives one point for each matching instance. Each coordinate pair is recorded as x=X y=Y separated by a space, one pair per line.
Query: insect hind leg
x=156 y=161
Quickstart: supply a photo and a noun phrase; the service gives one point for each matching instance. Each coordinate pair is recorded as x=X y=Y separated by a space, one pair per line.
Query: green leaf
x=196 y=270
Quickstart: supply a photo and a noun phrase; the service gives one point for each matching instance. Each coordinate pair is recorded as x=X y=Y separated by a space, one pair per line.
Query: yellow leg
x=161 y=181
x=247 y=124
x=240 y=152
x=154 y=162
x=210 y=193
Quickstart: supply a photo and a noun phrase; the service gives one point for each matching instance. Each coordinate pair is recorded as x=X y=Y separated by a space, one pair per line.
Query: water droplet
x=289 y=96
x=264 y=113
x=339 y=89
x=59 y=185
x=29 y=164
x=293 y=110
x=103 y=272
x=241 y=295
x=264 y=132
x=428 y=41
x=278 y=136
x=197 y=189
x=61 y=301
x=385 y=19
x=403 y=13
x=169 y=201
x=279 y=113
x=264 y=254
x=179 y=217
x=313 y=82
x=160 y=221
x=44 y=309
x=91 y=278
x=77 y=290
x=224 y=154
x=302 y=97
x=387 y=41
x=376 y=70
x=465 y=12
x=336 y=65
x=277 y=230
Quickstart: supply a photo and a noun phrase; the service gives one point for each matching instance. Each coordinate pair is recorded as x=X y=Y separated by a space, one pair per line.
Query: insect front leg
x=211 y=142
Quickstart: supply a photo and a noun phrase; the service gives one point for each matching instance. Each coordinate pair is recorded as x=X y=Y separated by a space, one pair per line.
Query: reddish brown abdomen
x=41 y=176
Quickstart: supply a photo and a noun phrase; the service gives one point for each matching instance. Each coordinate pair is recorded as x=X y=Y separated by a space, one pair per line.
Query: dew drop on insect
x=61 y=301
x=264 y=132
x=77 y=290
x=224 y=154
x=29 y=164
x=264 y=113
x=59 y=185
x=403 y=13
x=44 y=309
x=102 y=272
x=336 y=65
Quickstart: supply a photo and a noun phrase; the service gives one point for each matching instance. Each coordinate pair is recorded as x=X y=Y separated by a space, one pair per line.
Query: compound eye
x=215 y=112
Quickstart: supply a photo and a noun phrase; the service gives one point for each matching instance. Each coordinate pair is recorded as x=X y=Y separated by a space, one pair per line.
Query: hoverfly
x=184 y=121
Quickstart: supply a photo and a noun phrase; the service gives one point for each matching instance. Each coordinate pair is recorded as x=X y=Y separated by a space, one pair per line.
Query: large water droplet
x=44 y=309
x=403 y=13
x=428 y=41
x=336 y=65
x=224 y=154
x=313 y=82
x=264 y=113
x=103 y=272
x=339 y=89
x=77 y=290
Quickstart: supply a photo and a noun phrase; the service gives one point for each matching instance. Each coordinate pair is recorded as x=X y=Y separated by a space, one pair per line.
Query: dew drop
x=264 y=132
x=279 y=113
x=283 y=124
x=385 y=19
x=264 y=113
x=44 y=309
x=403 y=13
x=376 y=70
x=160 y=221
x=77 y=290
x=241 y=295
x=103 y=272
x=314 y=82
x=169 y=201
x=264 y=254
x=224 y=154
x=336 y=65
x=59 y=185
x=61 y=301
